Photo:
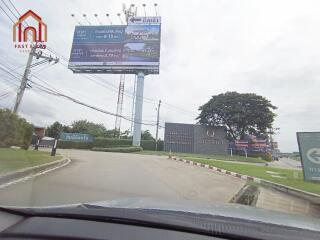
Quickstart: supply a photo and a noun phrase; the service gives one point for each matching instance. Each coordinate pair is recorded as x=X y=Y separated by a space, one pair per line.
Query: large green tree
x=240 y=113
x=84 y=126
x=54 y=130
x=146 y=135
x=14 y=130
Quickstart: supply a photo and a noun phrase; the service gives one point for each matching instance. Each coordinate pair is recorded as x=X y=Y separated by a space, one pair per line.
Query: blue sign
x=309 y=148
x=98 y=34
x=76 y=137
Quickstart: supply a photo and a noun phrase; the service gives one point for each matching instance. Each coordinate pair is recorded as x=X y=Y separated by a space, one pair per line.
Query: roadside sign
x=309 y=148
x=144 y=20
x=76 y=137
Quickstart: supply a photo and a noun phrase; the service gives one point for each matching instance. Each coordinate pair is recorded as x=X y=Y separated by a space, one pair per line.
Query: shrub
x=265 y=156
x=74 y=145
x=151 y=145
x=118 y=149
x=110 y=143
x=14 y=130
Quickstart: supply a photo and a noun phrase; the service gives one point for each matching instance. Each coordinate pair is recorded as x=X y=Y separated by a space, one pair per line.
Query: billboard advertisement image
x=116 y=49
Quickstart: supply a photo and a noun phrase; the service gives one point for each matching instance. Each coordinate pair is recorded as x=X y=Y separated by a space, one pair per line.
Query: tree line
x=14 y=130
x=94 y=129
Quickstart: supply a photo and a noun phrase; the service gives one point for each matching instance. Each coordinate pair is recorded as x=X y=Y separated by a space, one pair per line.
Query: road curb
x=312 y=197
x=27 y=173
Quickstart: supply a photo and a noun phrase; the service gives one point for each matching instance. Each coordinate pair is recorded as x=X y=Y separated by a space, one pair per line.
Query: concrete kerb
x=312 y=197
x=27 y=173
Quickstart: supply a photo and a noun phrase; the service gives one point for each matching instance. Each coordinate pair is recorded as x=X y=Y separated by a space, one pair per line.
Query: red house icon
x=39 y=32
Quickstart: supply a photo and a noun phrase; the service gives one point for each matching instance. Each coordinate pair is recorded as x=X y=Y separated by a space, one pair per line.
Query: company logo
x=210 y=133
x=25 y=35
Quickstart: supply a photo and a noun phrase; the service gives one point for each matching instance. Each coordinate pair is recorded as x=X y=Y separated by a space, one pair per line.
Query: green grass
x=235 y=158
x=15 y=159
x=293 y=178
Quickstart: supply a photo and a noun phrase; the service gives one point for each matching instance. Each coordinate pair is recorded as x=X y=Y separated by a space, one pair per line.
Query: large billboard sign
x=309 y=148
x=116 y=49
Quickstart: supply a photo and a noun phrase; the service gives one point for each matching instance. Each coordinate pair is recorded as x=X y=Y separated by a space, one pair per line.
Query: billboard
x=116 y=49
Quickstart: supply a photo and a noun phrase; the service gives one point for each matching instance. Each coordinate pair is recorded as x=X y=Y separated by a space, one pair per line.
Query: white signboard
x=144 y=20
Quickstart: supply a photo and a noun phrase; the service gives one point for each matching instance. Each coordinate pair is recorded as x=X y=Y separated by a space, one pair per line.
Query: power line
x=52 y=92
x=9 y=9
x=6 y=14
x=14 y=7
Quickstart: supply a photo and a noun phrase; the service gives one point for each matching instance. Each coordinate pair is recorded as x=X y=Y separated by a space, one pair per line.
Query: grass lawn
x=293 y=178
x=203 y=156
x=15 y=159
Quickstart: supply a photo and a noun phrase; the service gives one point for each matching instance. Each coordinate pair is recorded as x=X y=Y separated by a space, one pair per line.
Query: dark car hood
x=231 y=211
x=224 y=210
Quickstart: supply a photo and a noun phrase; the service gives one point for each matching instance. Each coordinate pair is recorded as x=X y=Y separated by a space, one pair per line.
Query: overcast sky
x=268 y=47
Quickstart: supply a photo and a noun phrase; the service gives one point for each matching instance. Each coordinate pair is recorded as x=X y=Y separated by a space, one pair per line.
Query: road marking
x=34 y=175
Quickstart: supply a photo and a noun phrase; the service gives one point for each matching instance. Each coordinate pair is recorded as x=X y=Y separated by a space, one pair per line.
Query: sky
x=267 y=47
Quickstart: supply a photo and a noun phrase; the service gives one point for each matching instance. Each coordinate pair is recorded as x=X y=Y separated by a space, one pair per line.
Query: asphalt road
x=286 y=163
x=98 y=176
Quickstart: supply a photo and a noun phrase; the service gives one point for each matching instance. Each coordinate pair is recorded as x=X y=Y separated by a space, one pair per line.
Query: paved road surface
x=286 y=163
x=97 y=176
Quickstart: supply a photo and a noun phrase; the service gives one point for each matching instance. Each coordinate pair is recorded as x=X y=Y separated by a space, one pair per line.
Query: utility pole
x=25 y=76
x=119 y=107
x=157 y=130
x=24 y=80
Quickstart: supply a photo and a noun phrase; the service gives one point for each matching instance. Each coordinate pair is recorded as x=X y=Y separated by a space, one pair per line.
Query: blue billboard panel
x=98 y=34
x=111 y=52
x=116 y=49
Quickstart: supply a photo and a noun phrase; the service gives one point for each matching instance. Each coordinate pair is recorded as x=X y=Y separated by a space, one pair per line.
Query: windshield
x=210 y=102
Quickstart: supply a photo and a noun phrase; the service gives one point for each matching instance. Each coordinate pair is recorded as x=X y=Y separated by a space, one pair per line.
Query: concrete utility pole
x=138 y=110
x=119 y=107
x=24 y=81
x=157 y=130
x=25 y=76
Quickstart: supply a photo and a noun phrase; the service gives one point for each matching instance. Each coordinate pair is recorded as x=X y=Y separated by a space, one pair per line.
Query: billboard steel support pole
x=133 y=102
x=138 y=110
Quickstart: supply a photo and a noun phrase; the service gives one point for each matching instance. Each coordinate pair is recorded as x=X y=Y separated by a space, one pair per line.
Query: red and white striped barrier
x=215 y=169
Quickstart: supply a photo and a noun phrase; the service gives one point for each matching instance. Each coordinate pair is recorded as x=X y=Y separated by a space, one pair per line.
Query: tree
x=84 y=126
x=146 y=135
x=241 y=114
x=54 y=130
x=14 y=130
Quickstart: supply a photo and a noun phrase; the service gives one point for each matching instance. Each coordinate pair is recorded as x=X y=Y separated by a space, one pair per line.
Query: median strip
x=313 y=197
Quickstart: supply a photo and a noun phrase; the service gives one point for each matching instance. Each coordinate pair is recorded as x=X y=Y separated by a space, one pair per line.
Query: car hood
x=232 y=211
x=224 y=210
